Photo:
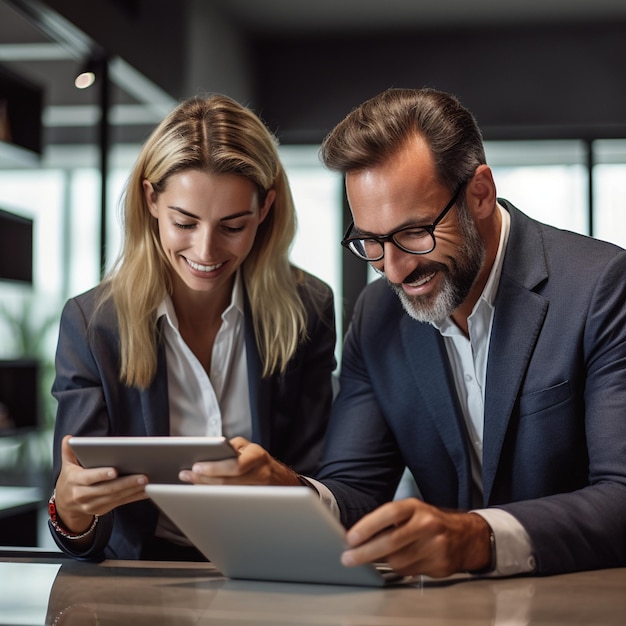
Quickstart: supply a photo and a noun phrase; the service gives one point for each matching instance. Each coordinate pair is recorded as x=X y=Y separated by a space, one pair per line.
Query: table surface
x=40 y=589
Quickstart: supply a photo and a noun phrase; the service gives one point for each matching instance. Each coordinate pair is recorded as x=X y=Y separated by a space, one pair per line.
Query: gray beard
x=435 y=311
x=458 y=279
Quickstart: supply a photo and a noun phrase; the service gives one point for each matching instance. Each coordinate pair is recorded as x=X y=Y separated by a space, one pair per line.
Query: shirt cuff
x=326 y=496
x=514 y=549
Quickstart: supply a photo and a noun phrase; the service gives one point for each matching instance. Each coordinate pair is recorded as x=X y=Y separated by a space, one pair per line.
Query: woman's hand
x=83 y=493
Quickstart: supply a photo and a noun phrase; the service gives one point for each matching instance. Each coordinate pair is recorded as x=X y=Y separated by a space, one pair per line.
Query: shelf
x=12 y=156
x=16 y=499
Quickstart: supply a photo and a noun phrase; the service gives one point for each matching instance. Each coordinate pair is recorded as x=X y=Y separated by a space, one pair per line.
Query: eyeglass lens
x=416 y=240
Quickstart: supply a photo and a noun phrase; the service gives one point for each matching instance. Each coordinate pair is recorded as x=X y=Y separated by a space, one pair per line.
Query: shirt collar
x=236 y=300
x=236 y=307
x=491 y=287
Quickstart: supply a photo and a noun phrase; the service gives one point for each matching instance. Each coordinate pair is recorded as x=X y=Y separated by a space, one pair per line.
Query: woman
x=202 y=328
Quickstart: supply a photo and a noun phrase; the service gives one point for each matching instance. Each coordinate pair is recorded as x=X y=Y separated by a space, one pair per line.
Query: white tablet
x=160 y=458
x=266 y=533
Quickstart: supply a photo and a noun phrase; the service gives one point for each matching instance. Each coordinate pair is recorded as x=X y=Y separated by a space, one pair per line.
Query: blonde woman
x=202 y=328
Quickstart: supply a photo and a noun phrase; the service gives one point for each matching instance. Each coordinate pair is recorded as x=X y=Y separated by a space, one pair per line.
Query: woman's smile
x=203 y=268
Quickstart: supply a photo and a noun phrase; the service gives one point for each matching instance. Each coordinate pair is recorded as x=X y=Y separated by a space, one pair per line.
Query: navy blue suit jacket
x=554 y=451
x=289 y=411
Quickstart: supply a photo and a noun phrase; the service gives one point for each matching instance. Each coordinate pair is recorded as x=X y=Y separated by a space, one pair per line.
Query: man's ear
x=481 y=192
x=150 y=196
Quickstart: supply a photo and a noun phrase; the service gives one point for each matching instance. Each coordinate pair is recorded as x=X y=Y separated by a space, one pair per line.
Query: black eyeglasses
x=411 y=239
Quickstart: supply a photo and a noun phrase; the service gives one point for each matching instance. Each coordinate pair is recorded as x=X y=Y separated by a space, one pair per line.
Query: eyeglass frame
x=381 y=239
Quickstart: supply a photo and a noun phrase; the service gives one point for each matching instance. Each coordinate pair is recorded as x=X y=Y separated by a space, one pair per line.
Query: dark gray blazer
x=289 y=411
x=555 y=402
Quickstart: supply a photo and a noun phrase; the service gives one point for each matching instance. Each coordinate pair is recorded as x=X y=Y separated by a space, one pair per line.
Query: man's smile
x=419 y=281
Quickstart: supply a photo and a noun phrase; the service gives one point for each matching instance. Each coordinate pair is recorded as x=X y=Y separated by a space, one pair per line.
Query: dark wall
x=547 y=81
x=522 y=82
x=148 y=34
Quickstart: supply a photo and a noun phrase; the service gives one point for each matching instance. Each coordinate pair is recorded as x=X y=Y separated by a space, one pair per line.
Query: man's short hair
x=379 y=127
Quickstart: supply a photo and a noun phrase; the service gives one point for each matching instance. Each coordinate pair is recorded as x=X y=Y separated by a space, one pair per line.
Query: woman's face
x=207 y=226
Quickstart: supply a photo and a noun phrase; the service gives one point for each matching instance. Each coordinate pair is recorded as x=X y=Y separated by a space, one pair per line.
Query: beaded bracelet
x=54 y=520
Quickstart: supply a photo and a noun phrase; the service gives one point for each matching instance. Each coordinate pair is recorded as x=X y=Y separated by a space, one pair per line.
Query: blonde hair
x=215 y=135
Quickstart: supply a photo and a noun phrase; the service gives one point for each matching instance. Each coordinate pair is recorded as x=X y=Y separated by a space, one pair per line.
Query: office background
x=546 y=80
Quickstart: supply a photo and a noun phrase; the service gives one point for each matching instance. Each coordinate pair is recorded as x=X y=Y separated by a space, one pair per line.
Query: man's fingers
x=239 y=443
x=387 y=516
x=372 y=550
x=226 y=467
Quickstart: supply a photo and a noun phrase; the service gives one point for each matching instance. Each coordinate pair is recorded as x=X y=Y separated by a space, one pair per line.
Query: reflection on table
x=123 y=592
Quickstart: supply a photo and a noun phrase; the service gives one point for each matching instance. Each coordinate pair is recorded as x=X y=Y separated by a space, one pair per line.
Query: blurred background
x=545 y=79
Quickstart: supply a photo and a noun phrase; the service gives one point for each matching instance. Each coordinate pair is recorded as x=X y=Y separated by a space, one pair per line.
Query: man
x=491 y=361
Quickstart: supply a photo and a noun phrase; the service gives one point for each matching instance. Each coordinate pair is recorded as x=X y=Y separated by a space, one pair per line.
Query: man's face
x=404 y=191
x=457 y=277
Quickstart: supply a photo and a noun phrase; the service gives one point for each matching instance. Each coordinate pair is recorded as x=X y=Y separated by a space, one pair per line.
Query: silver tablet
x=160 y=458
x=266 y=533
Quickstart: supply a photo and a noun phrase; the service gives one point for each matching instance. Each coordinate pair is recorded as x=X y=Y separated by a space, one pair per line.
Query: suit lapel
x=427 y=358
x=260 y=389
x=155 y=399
x=519 y=316
x=516 y=326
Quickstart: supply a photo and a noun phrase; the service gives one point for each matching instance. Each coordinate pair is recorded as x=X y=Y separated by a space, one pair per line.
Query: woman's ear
x=481 y=192
x=269 y=200
x=150 y=196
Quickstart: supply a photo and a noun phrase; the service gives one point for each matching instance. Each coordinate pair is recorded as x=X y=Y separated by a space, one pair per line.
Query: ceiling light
x=87 y=75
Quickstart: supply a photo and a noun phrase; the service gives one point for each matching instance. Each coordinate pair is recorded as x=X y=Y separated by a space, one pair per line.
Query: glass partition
x=609 y=182
x=547 y=180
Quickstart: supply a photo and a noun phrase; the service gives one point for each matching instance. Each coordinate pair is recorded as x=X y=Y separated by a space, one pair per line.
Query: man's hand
x=253 y=466
x=416 y=538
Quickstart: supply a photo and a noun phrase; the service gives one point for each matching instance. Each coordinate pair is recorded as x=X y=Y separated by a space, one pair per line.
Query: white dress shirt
x=201 y=404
